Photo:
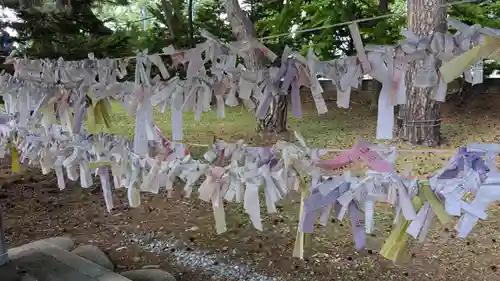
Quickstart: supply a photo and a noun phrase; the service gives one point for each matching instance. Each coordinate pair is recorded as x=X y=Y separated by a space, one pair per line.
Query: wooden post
x=422 y=123
x=4 y=258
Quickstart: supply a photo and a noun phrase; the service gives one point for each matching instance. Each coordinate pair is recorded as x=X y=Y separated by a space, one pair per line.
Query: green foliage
x=207 y=16
x=485 y=13
x=124 y=17
x=71 y=34
x=330 y=42
x=272 y=17
x=173 y=15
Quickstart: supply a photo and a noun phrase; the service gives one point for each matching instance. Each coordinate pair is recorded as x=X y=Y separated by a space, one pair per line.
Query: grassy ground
x=35 y=208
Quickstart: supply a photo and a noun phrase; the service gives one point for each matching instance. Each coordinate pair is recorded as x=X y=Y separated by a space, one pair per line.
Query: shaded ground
x=35 y=208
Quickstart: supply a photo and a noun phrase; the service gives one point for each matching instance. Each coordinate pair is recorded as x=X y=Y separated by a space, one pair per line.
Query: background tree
x=244 y=31
x=209 y=15
x=71 y=33
x=422 y=123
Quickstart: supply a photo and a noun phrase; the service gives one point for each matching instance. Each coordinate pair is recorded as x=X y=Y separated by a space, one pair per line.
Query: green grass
x=336 y=129
x=337 y=126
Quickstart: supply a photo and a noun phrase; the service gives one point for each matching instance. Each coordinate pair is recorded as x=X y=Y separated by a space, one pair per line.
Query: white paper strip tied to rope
x=107 y=71
x=21 y=98
x=389 y=65
x=275 y=187
x=348 y=196
x=381 y=71
x=232 y=151
x=106 y=188
x=29 y=69
x=443 y=45
x=259 y=171
x=453 y=190
x=488 y=192
x=235 y=191
x=78 y=161
x=279 y=84
x=486 y=47
x=465 y=39
x=383 y=187
x=464 y=173
x=334 y=191
x=132 y=179
x=171 y=171
x=252 y=182
x=329 y=190
x=220 y=88
x=211 y=191
x=190 y=174
x=199 y=94
x=141 y=106
x=358 y=44
x=307 y=77
x=151 y=181
x=408 y=50
x=248 y=86
x=420 y=226
x=345 y=74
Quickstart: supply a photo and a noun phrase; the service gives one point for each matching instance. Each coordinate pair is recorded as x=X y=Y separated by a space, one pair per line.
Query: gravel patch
x=198 y=260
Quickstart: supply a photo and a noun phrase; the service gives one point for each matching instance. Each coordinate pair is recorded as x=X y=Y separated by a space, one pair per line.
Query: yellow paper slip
x=106 y=108
x=396 y=242
x=98 y=114
x=95 y=165
x=455 y=67
x=102 y=113
x=91 y=119
x=436 y=205
x=16 y=167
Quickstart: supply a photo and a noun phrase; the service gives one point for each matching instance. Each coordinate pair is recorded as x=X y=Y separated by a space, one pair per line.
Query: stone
x=27 y=277
x=95 y=255
x=149 y=266
x=63 y=242
x=148 y=275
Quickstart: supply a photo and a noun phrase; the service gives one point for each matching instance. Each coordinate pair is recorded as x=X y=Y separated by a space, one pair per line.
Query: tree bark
x=422 y=123
x=276 y=118
x=243 y=29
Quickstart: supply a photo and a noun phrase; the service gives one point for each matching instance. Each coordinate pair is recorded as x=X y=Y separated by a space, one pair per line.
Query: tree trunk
x=422 y=123
x=276 y=118
x=376 y=88
x=243 y=30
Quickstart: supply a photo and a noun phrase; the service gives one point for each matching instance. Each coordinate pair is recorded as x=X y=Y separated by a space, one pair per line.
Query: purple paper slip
x=357 y=226
x=313 y=203
x=462 y=160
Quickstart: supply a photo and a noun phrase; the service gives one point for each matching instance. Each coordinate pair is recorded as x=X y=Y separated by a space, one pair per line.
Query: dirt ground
x=34 y=208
